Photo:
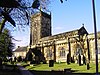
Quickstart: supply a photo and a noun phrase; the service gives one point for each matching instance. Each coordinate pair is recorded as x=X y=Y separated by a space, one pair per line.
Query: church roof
x=82 y=31
x=79 y=31
x=21 y=49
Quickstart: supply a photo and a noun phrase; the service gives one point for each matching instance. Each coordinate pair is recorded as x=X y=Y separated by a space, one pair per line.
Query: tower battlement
x=40 y=26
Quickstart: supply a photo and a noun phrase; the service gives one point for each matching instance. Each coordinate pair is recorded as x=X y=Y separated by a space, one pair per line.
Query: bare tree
x=19 y=12
x=62 y=1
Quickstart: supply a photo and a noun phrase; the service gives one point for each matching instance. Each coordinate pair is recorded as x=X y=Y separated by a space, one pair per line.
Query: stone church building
x=58 y=47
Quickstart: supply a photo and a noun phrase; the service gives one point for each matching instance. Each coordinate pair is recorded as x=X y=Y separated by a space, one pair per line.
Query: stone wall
x=57 y=47
x=40 y=27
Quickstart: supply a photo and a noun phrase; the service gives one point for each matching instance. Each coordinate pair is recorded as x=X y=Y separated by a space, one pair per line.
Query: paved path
x=24 y=71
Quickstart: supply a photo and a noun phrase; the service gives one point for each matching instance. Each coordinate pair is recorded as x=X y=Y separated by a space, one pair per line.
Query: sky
x=67 y=16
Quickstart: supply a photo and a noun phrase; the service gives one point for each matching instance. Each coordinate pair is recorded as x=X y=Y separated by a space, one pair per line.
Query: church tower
x=40 y=27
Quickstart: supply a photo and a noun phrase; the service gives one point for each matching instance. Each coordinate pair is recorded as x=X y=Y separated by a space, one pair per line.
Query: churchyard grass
x=60 y=67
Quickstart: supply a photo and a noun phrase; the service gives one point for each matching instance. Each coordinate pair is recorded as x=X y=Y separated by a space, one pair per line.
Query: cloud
x=58 y=28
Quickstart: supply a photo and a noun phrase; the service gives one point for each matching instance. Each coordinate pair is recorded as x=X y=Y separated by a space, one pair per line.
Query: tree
x=19 y=14
x=6 y=45
x=62 y=1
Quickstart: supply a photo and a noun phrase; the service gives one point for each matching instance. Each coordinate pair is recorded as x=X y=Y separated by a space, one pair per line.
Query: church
x=63 y=46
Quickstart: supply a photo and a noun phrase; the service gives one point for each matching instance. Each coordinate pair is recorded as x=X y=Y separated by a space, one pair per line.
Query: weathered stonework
x=58 y=46
x=40 y=26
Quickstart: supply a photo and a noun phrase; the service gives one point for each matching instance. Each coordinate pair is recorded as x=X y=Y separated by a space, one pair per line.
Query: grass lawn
x=75 y=68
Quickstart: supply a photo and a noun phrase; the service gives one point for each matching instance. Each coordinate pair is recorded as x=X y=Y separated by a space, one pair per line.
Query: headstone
x=79 y=60
x=68 y=60
x=67 y=70
x=0 y=63
x=84 y=60
x=51 y=63
x=15 y=59
x=88 y=67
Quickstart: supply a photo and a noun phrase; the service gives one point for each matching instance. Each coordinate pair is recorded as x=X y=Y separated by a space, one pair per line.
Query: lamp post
x=95 y=33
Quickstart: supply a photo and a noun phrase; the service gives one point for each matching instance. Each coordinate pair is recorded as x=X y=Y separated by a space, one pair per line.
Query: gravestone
x=0 y=63
x=79 y=57
x=68 y=59
x=51 y=63
x=84 y=60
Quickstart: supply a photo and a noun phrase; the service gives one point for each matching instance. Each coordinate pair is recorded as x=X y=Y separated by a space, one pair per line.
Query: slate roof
x=21 y=49
x=79 y=31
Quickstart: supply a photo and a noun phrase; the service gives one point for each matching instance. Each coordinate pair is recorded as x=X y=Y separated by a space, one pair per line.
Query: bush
x=19 y=59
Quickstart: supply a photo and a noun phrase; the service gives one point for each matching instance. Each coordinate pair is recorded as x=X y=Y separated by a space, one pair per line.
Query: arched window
x=49 y=53
x=62 y=52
